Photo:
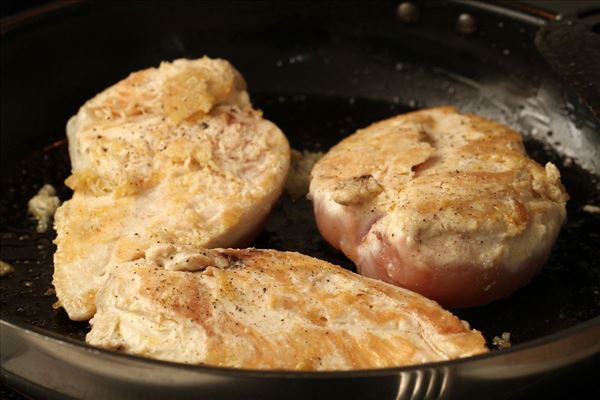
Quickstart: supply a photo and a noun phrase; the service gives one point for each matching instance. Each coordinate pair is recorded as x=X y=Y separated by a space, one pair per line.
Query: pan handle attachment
x=570 y=43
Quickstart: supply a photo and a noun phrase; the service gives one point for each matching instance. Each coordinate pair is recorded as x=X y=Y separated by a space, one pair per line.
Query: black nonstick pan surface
x=319 y=71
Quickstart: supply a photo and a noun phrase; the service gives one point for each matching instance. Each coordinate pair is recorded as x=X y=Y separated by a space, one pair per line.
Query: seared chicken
x=174 y=154
x=264 y=309
x=445 y=204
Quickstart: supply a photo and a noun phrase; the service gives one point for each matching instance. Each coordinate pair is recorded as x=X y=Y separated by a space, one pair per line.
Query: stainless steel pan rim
x=589 y=328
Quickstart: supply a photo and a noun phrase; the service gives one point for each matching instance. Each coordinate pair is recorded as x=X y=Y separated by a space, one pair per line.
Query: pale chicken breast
x=445 y=204
x=265 y=309
x=174 y=154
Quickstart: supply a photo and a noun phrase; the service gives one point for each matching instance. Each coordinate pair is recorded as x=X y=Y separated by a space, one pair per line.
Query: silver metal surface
x=408 y=12
x=466 y=24
x=79 y=371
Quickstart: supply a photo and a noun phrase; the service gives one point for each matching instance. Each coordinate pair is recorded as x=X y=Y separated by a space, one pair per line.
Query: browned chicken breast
x=264 y=309
x=445 y=204
x=174 y=154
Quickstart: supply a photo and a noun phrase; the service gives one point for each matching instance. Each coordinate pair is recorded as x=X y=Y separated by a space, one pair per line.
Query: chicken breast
x=445 y=204
x=174 y=154
x=264 y=309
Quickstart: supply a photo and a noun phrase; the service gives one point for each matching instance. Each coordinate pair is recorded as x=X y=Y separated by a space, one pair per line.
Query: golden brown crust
x=170 y=154
x=272 y=310
x=459 y=199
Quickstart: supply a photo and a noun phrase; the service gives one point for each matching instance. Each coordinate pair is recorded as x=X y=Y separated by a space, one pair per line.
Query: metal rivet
x=466 y=24
x=408 y=12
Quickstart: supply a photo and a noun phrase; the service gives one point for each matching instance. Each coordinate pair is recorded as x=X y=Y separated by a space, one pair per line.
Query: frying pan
x=320 y=71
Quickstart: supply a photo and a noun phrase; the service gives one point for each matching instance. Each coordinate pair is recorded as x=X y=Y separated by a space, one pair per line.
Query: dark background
x=8 y=7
